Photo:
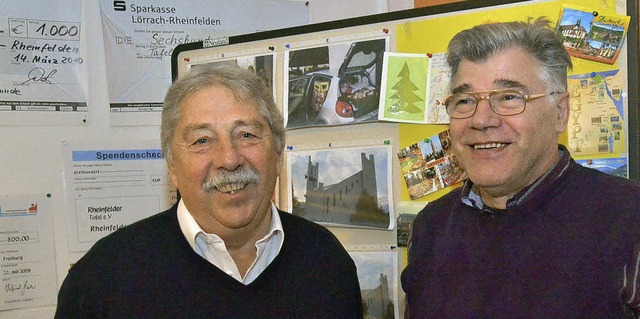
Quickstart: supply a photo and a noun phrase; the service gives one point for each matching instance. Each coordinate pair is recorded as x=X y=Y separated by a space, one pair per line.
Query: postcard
x=591 y=35
x=439 y=77
x=404 y=86
x=430 y=165
x=612 y=166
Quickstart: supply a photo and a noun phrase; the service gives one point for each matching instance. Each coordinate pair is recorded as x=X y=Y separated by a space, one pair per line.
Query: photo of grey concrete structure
x=347 y=187
x=377 y=274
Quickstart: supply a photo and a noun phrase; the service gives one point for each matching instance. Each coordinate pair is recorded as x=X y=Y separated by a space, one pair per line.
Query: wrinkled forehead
x=498 y=84
x=507 y=69
x=218 y=104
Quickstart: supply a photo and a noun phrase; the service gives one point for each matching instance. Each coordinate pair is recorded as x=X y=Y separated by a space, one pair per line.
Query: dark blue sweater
x=148 y=270
x=568 y=248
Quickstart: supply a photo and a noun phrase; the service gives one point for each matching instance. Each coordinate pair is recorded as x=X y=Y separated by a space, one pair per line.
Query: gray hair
x=246 y=87
x=481 y=42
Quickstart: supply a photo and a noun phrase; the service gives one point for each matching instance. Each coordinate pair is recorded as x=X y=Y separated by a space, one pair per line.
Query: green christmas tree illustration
x=404 y=95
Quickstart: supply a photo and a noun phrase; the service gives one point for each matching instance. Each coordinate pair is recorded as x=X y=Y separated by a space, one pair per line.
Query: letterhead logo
x=31 y=210
x=120 y=5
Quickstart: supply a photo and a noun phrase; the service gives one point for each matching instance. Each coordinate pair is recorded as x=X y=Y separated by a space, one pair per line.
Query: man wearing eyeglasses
x=224 y=250
x=531 y=234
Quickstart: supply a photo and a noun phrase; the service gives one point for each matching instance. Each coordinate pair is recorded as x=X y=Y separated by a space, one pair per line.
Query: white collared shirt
x=212 y=248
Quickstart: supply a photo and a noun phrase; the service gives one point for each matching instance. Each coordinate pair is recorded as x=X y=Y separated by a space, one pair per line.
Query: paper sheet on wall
x=438 y=88
x=41 y=61
x=404 y=88
x=596 y=123
x=26 y=252
x=111 y=184
x=426 y=82
x=140 y=37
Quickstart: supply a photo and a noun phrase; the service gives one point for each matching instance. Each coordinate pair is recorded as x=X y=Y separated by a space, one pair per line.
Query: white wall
x=31 y=157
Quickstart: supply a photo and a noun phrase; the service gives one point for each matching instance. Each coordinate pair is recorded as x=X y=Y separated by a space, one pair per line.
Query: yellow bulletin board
x=432 y=35
x=426 y=31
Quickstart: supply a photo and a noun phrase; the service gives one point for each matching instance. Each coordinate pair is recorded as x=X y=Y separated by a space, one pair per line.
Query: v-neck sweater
x=567 y=248
x=148 y=270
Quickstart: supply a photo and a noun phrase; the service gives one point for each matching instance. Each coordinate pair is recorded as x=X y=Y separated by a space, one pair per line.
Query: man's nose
x=228 y=154
x=484 y=116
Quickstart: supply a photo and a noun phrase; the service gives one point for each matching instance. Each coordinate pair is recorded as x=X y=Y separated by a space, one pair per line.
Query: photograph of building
x=377 y=273
x=348 y=187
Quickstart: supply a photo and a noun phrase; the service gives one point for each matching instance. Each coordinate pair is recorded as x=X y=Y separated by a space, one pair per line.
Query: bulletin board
x=335 y=149
x=422 y=33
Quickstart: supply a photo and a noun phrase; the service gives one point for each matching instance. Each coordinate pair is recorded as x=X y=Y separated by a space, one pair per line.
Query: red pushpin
x=385 y=30
x=429 y=55
x=187 y=59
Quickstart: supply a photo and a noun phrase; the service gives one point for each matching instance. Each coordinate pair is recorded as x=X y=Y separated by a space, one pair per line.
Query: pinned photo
x=334 y=84
x=348 y=187
x=430 y=165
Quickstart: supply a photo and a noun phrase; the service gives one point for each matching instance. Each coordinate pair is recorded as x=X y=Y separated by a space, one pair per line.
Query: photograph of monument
x=342 y=186
x=377 y=274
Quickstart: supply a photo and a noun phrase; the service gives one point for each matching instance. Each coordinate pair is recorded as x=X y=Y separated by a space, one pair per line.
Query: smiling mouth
x=231 y=188
x=488 y=146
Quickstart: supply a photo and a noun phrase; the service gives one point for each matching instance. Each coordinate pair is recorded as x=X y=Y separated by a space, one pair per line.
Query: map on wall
x=596 y=122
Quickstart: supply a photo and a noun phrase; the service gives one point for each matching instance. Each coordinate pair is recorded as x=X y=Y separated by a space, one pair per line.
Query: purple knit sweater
x=567 y=247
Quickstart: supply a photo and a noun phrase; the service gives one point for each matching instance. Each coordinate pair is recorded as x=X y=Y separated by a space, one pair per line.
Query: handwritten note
x=42 y=60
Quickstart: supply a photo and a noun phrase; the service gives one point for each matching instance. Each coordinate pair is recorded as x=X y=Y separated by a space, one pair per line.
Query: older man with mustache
x=224 y=250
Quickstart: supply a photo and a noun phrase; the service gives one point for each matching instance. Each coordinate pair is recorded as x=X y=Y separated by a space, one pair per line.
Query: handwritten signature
x=19 y=288
x=14 y=91
x=39 y=75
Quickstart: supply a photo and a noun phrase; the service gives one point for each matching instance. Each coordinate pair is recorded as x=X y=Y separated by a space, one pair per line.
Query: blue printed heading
x=117 y=155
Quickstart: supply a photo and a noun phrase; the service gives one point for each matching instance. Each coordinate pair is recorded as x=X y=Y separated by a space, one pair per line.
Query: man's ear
x=279 y=156
x=172 y=174
x=562 y=106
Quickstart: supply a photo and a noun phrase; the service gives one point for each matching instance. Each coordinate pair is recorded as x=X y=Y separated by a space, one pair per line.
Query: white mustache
x=221 y=178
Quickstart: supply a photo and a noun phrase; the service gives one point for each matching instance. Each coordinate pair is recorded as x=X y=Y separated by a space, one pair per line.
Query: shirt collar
x=191 y=229
x=471 y=197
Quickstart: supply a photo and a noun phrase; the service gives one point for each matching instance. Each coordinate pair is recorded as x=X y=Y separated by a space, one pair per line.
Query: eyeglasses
x=504 y=102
